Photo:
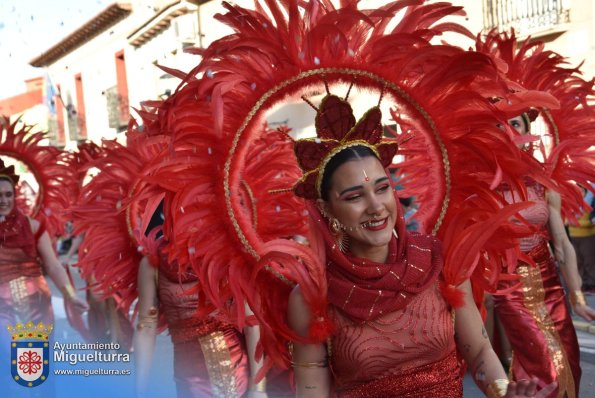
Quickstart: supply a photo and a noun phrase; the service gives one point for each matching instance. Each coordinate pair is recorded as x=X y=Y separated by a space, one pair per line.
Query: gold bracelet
x=148 y=321
x=261 y=386
x=577 y=297
x=68 y=291
x=497 y=388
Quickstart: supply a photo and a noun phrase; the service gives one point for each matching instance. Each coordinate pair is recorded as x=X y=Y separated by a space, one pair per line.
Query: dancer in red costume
x=537 y=306
x=200 y=342
x=394 y=329
x=105 y=321
x=27 y=255
x=439 y=96
x=210 y=357
x=26 y=248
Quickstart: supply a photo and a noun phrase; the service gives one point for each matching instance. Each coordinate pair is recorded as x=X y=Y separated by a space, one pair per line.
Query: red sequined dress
x=535 y=315
x=394 y=349
x=24 y=292
x=209 y=357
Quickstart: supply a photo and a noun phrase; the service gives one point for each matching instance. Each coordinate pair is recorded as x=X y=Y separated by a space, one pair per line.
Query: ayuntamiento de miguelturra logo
x=30 y=353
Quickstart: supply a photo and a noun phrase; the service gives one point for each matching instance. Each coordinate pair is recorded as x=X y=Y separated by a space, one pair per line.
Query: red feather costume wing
x=49 y=165
x=439 y=95
x=571 y=125
x=113 y=211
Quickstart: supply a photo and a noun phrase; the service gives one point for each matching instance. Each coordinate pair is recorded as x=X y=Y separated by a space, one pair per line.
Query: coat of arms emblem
x=30 y=353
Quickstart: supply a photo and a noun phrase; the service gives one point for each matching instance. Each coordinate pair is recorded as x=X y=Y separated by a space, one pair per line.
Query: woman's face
x=518 y=123
x=6 y=198
x=361 y=198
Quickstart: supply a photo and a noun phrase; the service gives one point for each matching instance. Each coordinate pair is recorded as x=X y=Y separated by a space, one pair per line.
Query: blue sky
x=29 y=27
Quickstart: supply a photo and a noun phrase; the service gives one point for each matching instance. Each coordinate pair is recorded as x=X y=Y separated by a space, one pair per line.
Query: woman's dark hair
x=8 y=179
x=349 y=153
x=156 y=219
x=527 y=122
x=406 y=201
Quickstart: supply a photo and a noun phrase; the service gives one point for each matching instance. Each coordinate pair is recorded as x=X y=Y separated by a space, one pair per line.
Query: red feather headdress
x=439 y=95
x=8 y=172
x=49 y=166
x=571 y=125
x=336 y=130
x=113 y=211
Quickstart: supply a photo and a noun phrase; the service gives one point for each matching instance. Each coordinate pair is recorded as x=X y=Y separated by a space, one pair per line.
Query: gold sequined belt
x=9 y=272
x=187 y=329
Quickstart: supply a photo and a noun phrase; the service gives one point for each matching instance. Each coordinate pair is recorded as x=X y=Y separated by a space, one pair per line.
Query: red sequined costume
x=393 y=330
x=209 y=357
x=399 y=338
x=537 y=307
x=24 y=292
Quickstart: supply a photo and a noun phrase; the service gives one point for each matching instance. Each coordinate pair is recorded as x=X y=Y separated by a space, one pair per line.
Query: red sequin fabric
x=537 y=215
x=399 y=350
x=437 y=379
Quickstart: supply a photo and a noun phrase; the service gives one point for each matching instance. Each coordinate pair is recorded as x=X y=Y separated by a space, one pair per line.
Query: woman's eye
x=352 y=197
x=383 y=188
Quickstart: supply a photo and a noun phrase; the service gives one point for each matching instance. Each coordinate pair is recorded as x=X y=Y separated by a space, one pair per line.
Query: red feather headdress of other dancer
x=216 y=113
x=199 y=232
x=114 y=215
x=49 y=166
x=571 y=125
x=82 y=159
x=80 y=162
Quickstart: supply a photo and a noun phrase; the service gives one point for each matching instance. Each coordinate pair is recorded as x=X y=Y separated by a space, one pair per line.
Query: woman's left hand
x=257 y=394
x=528 y=388
x=78 y=304
x=584 y=311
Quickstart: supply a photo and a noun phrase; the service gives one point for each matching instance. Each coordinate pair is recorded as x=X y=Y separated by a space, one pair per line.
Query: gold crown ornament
x=337 y=129
x=30 y=331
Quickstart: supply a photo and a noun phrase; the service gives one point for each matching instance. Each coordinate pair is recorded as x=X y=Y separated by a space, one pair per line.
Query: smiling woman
x=26 y=254
x=360 y=202
x=393 y=330
x=6 y=197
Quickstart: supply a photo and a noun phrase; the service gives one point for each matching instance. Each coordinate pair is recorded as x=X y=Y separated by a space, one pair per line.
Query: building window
x=527 y=17
x=81 y=121
x=59 y=135
x=122 y=89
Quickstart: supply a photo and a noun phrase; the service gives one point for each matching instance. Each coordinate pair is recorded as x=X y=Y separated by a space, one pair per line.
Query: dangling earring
x=341 y=237
x=396 y=235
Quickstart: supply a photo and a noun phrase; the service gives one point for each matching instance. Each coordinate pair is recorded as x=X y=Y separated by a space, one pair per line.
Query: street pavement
x=161 y=378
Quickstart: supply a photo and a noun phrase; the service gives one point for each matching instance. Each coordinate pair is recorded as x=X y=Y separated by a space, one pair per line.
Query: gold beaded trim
x=555 y=132
x=353 y=73
x=252 y=202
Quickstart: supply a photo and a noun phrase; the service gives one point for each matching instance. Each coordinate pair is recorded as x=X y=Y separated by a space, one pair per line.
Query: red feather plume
x=113 y=211
x=49 y=166
x=571 y=124
x=294 y=48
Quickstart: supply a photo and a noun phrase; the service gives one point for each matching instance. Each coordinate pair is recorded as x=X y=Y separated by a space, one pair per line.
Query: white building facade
x=109 y=64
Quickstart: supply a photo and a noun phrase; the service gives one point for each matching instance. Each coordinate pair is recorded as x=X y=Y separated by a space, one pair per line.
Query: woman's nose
x=374 y=205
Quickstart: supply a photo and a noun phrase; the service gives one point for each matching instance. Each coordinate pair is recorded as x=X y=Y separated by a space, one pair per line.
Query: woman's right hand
x=528 y=388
